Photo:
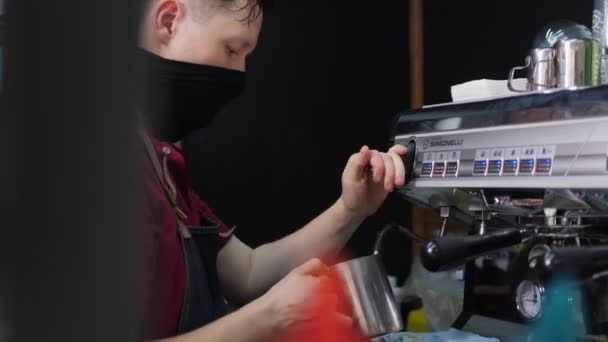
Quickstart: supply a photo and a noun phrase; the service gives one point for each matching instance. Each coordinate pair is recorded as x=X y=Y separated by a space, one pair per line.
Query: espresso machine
x=529 y=175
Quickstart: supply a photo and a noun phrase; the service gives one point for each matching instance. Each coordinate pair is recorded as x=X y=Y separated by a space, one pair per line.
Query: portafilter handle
x=581 y=261
x=451 y=252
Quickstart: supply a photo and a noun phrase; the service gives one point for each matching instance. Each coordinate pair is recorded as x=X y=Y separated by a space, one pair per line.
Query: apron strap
x=165 y=180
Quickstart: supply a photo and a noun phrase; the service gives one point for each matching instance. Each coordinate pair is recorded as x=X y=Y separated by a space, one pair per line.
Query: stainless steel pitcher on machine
x=565 y=56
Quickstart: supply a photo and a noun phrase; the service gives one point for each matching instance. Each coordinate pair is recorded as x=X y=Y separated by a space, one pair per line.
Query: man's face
x=176 y=29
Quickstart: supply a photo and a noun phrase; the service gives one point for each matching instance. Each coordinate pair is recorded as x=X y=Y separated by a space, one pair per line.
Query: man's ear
x=166 y=17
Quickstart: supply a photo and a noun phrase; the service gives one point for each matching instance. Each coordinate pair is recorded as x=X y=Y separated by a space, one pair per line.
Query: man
x=194 y=52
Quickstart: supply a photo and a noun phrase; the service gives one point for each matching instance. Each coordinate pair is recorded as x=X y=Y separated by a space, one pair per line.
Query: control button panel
x=427 y=169
x=495 y=166
x=544 y=159
x=480 y=167
x=529 y=152
x=439 y=169
x=454 y=155
x=497 y=153
x=526 y=166
x=482 y=154
x=493 y=162
x=569 y=153
x=543 y=165
x=512 y=153
x=451 y=169
x=427 y=164
x=546 y=151
x=511 y=161
x=510 y=166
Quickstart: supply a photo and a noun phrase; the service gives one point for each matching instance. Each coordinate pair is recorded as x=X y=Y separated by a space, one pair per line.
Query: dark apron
x=203 y=298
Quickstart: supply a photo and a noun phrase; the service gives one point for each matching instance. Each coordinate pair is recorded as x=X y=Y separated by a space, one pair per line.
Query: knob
x=409 y=160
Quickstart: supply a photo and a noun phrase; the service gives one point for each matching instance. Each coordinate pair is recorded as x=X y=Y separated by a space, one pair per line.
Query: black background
x=326 y=80
x=467 y=40
x=322 y=82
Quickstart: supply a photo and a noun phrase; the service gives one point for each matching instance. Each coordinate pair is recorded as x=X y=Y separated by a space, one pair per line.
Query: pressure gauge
x=529 y=299
x=538 y=251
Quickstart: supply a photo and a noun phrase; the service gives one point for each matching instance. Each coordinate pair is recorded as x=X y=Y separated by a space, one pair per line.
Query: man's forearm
x=323 y=238
x=254 y=322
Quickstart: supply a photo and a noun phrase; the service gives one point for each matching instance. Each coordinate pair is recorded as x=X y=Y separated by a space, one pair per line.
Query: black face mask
x=177 y=98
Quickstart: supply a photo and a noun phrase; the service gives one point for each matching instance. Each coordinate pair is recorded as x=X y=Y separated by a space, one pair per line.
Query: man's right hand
x=303 y=298
x=301 y=307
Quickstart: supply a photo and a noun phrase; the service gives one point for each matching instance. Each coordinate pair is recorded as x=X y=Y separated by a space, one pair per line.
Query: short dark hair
x=256 y=7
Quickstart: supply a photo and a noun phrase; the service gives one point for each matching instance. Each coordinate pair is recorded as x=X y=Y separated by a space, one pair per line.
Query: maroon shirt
x=164 y=260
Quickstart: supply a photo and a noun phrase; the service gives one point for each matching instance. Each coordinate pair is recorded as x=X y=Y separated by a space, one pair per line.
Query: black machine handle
x=453 y=251
x=582 y=261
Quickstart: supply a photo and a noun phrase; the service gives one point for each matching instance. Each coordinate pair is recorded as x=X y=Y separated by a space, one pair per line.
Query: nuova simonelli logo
x=440 y=142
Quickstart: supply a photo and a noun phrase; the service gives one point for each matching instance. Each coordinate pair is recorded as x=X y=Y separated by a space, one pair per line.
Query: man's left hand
x=369 y=176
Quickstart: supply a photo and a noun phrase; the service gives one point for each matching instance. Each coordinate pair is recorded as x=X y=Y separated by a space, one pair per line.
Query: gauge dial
x=529 y=299
x=538 y=251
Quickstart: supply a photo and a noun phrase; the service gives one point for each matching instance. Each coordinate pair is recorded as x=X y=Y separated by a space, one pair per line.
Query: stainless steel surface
x=374 y=308
x=373 y=304
x=554 y=105
x=578 y=63
x=540 y=71
x=562 y=154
